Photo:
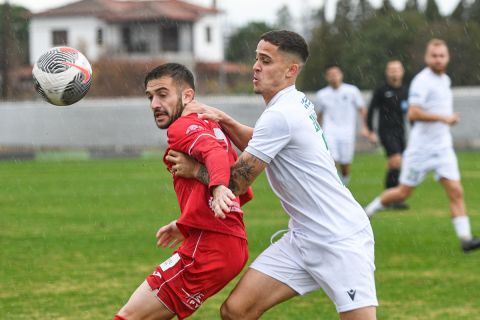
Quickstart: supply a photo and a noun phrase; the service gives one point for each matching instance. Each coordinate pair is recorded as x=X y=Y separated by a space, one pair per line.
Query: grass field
x=77 y=237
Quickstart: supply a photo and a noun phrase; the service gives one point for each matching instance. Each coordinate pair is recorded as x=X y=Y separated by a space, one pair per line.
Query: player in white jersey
x=329 y=243
x=337 y=107
x=430 y=146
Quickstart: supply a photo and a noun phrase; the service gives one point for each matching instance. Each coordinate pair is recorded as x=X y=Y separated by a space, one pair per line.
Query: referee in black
x=390 y=100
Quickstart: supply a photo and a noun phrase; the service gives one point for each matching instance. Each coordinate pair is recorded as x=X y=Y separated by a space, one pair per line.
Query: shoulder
x=350 y=88
x=425 y=73
x=421 y=79
x=187 y=125
x=323 y=91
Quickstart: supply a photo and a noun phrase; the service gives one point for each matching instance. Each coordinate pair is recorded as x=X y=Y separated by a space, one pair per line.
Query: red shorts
x=202 y=266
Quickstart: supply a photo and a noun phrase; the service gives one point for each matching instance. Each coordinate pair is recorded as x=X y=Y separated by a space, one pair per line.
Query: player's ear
x=187 y=95
x=293 y=70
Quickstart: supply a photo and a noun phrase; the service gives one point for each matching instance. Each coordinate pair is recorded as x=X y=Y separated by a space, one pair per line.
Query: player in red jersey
x=214 y=248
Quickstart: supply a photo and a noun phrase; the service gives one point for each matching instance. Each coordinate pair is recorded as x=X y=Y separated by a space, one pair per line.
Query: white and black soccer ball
x=62 y=76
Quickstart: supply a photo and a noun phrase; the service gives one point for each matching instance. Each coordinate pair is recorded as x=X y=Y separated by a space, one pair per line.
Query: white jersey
x=433 y=94
x=339 y=108
x=301 y=170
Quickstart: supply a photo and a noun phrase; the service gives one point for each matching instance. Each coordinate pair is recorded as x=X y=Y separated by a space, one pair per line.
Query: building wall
x=82 y=35
x=208 y=51
x=81 y=31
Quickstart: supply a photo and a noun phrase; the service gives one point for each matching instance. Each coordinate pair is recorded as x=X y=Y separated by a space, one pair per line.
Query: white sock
x=374 y=206
x=345 y=179
x=462 y=228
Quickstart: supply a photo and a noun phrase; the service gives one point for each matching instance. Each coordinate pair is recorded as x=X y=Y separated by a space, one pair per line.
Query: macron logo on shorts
x=351 y=294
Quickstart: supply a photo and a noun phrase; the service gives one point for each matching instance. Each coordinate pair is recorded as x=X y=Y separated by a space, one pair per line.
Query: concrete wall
x=121 y=124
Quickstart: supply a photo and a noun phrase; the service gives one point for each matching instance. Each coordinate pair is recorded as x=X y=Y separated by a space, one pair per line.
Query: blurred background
x=216 y=39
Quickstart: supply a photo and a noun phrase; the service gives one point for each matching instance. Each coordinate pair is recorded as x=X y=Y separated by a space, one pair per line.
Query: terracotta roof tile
x=140 y=10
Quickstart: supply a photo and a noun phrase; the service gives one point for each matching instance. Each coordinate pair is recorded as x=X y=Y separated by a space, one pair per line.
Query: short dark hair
x=178 y=72
x=288 y=41
x=331 y=66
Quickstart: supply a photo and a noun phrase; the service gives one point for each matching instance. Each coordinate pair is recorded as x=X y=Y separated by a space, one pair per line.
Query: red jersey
x=206 y=142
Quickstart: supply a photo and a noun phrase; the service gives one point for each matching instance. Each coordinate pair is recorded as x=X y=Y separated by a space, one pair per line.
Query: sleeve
x=271 y=134
x=358 y=98
x=418 y=92
x=371 y=109
x=197 y=140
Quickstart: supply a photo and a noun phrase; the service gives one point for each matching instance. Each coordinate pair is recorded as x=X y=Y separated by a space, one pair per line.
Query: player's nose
x=155 y=103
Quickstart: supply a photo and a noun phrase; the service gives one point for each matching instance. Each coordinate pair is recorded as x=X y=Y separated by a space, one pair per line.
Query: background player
x=390 y=100
x=337 y=105
x=214 y=250
x=430 y=146
x=329 y=243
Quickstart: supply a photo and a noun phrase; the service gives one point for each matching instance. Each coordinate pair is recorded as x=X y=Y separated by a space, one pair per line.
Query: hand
x=452 y=119
x=183 y=165
x=222 y=200
x=365 y=132
x=204 y=112
x=372 y=137
x=169 y=235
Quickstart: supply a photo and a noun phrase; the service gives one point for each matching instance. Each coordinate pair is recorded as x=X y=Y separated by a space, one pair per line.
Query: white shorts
x=416 y=165
x=344 y=269
x=341 y=150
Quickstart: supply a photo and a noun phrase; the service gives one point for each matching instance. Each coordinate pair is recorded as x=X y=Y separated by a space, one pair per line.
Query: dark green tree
x=242 y=44
x=474 y=11
x=284 y=18
x=19 y=32
x=459 y=14
x=431 y=11
x=411 y=5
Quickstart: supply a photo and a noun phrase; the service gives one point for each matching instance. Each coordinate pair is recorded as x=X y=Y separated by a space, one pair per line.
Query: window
x=100 y=36
x=59 y=37
x=208 y=34
x=170 y=41
x=131 y=44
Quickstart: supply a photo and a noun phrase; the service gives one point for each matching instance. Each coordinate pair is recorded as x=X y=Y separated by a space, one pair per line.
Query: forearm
x=418 y=114
x=364 y=116
x=240 y=134
x=202 y=175
x=243 y=173
x=370 y=114
x=238 y=179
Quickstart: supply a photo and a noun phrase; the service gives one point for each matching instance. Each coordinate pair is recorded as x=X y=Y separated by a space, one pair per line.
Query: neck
x=336 y=85
x=268 y=96
x=438 y=72
x=395 y=83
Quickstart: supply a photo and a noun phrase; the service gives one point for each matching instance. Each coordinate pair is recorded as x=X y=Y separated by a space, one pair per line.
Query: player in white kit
x=430 y=147
x=329 y=243
x=337 y=107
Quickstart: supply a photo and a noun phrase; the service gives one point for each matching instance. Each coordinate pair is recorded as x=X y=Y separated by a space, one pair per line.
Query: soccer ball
x=62 y=76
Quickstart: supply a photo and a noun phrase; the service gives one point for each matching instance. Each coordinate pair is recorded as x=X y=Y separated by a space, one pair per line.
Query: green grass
x=77 y=237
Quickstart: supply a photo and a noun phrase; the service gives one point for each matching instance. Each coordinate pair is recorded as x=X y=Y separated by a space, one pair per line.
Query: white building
x=167 y=29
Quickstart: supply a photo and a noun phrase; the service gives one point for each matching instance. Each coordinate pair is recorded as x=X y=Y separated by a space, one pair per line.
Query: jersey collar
x=280 y=94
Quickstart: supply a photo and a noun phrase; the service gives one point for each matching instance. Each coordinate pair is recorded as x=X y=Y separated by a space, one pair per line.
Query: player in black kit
x=390 y=100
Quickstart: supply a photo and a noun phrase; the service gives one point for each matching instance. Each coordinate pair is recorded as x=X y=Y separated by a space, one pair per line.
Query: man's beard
x=438 y=69
x=175 y=116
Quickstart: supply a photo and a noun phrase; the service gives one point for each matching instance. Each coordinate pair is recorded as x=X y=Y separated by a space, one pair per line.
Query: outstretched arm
x=239 y=133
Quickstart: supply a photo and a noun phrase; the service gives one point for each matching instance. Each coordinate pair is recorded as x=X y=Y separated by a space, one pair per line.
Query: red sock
x=117 y=317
